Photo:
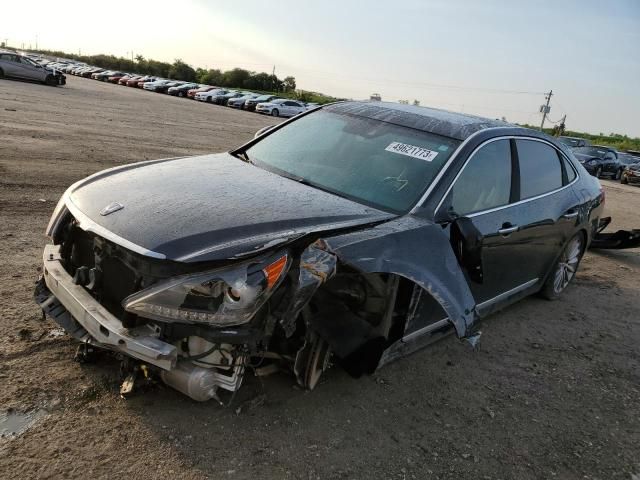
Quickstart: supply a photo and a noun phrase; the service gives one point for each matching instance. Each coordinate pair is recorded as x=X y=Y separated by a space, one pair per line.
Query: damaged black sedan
x=357 y=232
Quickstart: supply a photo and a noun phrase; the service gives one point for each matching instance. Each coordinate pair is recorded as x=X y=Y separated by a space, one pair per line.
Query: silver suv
x=19 y=66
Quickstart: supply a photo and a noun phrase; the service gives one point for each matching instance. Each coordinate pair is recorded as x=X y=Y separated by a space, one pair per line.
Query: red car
x=125 y=80
x=116 y=78
x=192 y=93
x=135 y=81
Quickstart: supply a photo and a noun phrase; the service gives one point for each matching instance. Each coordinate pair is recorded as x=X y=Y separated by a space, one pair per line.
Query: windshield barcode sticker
x=412 y=151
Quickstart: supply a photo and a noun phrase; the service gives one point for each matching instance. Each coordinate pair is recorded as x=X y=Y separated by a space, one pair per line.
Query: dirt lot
x=553 y=391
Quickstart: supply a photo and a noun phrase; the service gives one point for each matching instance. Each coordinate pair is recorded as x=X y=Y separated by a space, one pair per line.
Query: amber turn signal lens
x=274 y=270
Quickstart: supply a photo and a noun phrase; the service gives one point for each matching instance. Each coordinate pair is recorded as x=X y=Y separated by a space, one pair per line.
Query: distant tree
x=139 y=58
x=235 y=77
x=258 y=81
x=289 y=84
x=181 y=71
x=209 y=77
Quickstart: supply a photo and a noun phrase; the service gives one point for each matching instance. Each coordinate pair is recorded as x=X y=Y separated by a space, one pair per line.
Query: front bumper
x=632 y=178
x=103 y=328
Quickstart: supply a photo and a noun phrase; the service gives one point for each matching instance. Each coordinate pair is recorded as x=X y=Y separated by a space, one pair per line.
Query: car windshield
x=28 y=61
x=592 y=151
x=372 y=162
x=264 y=98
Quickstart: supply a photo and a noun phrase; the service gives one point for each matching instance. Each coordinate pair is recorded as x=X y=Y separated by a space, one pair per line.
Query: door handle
x=570 y=214
x=508 y=230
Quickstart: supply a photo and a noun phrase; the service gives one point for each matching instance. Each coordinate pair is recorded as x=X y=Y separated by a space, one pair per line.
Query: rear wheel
x=599 y=172
x=618 y=174
x=275 y=112
x=181 y=94
x=565 y=268
x=1 y=73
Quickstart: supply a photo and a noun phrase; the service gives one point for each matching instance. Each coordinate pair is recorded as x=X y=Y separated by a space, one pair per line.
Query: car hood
x=582 y=158
x=206 y=208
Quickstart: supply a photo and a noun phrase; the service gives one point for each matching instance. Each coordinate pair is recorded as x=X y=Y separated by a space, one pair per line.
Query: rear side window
x=571 y=173
x=485 y=182
x=540 y=168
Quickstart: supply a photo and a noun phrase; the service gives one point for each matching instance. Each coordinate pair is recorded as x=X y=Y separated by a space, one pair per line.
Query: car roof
x=442 y=122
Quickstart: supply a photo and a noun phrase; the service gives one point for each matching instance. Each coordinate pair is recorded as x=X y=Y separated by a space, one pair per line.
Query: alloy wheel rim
x=568 y=265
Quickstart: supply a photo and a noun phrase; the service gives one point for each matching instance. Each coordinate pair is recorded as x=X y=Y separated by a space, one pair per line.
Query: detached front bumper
x=101 y=327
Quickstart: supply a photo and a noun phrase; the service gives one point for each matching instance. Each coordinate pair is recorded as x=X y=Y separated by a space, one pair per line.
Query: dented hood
x=205 y=208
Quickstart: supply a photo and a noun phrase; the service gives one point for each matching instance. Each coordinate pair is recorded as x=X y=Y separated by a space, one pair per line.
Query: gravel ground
x=552 y=392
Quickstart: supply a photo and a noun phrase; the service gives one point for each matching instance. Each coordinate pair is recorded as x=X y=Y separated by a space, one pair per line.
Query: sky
x=494 y=58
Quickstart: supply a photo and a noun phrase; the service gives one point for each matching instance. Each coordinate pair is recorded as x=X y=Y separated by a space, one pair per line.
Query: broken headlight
x=223 y=297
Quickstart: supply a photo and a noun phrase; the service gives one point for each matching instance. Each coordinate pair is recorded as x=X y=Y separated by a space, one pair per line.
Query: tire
x=275 y=112
x=181 y=94
x=598 y=173
x=208 y=99
x=1 y=73
x=50 y=80
x=618 y=174
x=564 y=269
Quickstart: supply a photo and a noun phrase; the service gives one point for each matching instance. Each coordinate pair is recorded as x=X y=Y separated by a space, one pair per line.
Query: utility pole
x=545 y=109
x=273 y=72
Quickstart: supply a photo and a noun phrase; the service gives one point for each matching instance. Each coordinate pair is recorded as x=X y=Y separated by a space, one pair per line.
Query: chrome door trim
x=427 y=329
x=508 y=293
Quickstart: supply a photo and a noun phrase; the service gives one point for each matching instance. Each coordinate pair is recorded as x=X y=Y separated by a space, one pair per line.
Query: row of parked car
x=601 y=161
x=254 y=102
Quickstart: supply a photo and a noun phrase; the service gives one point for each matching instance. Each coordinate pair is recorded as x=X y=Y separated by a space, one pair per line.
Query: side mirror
x=263 y=130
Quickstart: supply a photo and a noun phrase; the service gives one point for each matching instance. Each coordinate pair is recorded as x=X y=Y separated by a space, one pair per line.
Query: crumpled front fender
x=419 y=251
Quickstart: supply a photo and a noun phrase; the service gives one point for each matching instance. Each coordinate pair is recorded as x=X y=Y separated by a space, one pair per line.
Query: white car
x=281 y=108
x=151 y=86
x=208 y=96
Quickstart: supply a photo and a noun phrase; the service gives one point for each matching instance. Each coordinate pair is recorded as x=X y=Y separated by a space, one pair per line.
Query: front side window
x=540 y=168
x=485 y=181
x=370 y=161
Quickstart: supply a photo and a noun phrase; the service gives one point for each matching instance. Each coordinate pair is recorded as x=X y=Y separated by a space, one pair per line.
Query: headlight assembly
x=222 y=297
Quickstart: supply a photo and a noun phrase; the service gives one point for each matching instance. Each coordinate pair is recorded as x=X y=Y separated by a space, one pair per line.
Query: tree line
x=179 y=70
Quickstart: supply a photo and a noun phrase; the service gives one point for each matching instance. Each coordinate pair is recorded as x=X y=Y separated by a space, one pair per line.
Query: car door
x=31 y=70
x=483 y=191
x=548 y=209
x=10 y=65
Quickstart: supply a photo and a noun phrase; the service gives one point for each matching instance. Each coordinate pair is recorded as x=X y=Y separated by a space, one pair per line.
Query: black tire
x=275 y=112
x=1 y=73
x=51 y=81
x=565 y=268
x=598 y=173
x=209 y=100
x=181 y=94
x=618 y=174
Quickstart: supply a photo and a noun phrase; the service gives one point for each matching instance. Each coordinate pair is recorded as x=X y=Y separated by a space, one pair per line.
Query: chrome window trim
x=519 y=202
